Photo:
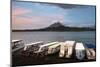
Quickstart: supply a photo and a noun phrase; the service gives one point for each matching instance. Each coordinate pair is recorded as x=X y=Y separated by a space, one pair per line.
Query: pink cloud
x=19 y=11
x=36 y=21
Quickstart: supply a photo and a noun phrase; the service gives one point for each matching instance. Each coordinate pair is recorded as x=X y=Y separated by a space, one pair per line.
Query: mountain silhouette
x=58 y=26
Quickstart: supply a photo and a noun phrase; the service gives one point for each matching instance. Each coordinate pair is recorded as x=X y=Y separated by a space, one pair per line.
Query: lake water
x=28 y=37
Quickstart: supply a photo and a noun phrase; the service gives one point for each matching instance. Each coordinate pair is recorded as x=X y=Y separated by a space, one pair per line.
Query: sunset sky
x=30 y=15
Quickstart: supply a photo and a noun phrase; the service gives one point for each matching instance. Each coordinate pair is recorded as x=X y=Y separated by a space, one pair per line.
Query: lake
x=28 y=37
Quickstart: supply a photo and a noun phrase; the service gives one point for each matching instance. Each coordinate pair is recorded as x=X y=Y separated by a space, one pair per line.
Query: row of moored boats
x=67 y=49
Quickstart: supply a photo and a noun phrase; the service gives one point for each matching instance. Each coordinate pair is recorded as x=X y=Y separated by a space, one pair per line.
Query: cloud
x=27 y=18
x=35 y=21
x=39 y=15
x=19 y=11
x=17 y=21
x=64 y=6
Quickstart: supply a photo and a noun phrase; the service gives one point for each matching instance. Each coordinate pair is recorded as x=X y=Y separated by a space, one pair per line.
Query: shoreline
x=50 y=31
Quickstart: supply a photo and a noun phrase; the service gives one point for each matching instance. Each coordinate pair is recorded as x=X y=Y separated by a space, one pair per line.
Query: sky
x=35 y=15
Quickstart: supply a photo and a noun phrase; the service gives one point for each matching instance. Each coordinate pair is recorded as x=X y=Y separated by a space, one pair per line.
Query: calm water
x=28 y=37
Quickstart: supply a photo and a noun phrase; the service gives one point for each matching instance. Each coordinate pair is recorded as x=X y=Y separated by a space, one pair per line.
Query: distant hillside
x=60 y=27
x=57 y=24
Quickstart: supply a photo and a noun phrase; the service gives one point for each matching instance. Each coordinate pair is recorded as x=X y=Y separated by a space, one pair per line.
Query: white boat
x=62 y=49
x=14 y=41
x=90 y=53
x=33 y=46
x=16 y=45
x=54 y=48
x=29 y=49
x=80 y=51
x=45 y=46
x=69 y=48
x=43 y=49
